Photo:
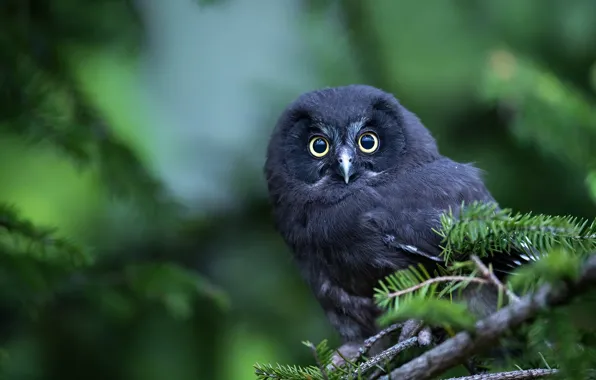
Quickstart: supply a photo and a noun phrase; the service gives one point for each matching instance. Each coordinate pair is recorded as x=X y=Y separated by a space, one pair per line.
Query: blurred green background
x=107 y=104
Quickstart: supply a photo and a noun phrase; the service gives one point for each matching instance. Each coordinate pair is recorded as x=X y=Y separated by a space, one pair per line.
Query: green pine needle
x=323 y=354
x=485 y=230
x=405 y=285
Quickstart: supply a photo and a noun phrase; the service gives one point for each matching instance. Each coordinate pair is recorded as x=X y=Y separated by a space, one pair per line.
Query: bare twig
x=513 y=375
x=369 y=342
x=319 y=364
x=457 y=349
x=490 y=276
x=387 y=354
x=434 y=280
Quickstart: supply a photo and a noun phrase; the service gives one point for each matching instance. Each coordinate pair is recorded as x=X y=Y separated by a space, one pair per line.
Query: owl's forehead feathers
x=349 y=129
x=347 y=106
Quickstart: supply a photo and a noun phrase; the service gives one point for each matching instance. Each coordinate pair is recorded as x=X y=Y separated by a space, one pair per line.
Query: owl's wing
x=409 y=211
x=425 y=249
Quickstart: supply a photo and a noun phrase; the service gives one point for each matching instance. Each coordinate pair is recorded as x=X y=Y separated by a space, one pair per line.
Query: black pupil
x=367 y=142
x=319 y=146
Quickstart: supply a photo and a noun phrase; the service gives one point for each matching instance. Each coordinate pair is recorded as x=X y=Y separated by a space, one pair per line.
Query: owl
x=357 y=185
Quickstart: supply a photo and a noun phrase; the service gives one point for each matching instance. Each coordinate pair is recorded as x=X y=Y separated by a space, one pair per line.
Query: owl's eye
x=368 y=142
x=318 y=146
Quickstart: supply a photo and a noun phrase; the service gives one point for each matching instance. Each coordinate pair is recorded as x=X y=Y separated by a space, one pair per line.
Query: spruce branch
x=413 y=294
x=436 y=280
x=512 y=375
x=322 y=355
x=416 y=284
x=457 y=349
x=486 y=230
x=268 y=372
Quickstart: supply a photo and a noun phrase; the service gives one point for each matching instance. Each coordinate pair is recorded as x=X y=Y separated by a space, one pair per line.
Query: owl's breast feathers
x=366 y=235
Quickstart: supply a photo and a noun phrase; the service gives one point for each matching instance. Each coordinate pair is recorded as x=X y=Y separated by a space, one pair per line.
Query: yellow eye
x=368 y=142
x=318 y=146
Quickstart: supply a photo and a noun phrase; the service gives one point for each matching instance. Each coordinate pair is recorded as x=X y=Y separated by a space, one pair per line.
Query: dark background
x=192 y=90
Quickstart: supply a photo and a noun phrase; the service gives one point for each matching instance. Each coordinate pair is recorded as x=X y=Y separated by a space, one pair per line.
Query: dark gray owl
x=357 y=185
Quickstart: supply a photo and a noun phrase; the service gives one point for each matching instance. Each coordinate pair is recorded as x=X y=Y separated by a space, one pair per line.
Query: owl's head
x=344 y=138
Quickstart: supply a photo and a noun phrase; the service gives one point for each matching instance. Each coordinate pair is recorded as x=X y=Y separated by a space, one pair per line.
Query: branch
x=456 y=350
x=490 y=276
x=369 y=342
x=434 y=280
x=387 y=354
x=513 y=375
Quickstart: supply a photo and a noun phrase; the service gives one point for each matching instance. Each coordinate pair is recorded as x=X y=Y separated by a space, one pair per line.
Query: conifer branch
x=437 y=280
x=20 y=236
x=456 y=350
x=486 y=230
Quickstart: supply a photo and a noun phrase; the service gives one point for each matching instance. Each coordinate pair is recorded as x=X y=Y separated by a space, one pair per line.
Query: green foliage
x=43 y=102
x=414 y=293
x=268 y=371
x=401 y=280
x=591 y=183
x=172 y=285
x=19 y=236
x=485 y=230
x=558 y=265
x=321 y=351
x=543 y=105
x=435 y=312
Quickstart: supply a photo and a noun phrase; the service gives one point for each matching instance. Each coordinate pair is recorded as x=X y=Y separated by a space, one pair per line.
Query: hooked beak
x=345 y=165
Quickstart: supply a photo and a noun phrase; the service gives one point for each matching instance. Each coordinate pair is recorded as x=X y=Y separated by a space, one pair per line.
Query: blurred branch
x=543 y=110
x=42 y=100
x=19 y=236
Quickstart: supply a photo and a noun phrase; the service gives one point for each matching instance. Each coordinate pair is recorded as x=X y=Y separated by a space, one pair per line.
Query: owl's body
x=349 y=226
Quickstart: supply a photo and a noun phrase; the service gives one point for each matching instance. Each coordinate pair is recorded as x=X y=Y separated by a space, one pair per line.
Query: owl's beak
x=345 y=165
